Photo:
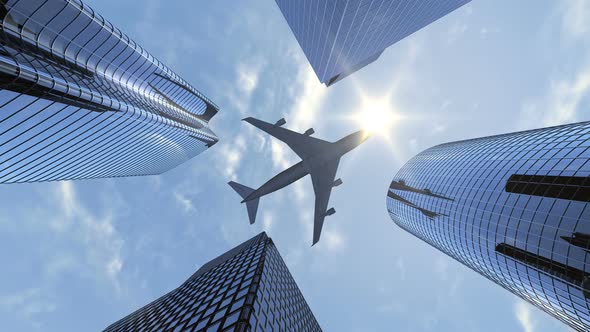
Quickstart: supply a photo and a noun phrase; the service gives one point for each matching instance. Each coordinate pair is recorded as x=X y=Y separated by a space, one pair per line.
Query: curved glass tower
x=79 y=99
x=514 y=208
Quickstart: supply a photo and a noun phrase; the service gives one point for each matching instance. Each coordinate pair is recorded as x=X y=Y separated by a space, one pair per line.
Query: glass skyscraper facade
x=514 y=208
x=249 y=288
x=340 y=37
x=80 y=99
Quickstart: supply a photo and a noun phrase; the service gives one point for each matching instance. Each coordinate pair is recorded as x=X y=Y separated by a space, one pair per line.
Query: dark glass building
x=340 y=37
x=514 y=208
x=79 y=99
x=249 y=288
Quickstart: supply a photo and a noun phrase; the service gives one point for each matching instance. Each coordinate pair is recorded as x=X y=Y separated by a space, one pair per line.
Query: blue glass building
x=340 y=37
x=249 y=288
x=514 y=208
x=80 y=99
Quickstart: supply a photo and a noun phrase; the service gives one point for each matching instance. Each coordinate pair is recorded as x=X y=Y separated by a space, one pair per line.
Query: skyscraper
x=80 y=99
x=340 y=37
x=249 y=288
x=514 y=208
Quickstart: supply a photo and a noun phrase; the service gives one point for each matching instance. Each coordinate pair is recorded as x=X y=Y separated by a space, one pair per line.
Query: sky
x=80 y=255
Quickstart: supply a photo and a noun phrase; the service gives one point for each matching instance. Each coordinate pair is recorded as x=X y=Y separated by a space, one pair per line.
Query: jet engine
x=330 y=212
x=281 y=122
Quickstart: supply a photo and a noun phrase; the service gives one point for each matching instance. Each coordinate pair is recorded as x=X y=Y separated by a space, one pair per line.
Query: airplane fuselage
x=304 y=167
x=279 y=181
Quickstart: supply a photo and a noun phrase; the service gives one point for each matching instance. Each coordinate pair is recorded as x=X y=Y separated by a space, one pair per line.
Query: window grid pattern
x=230 y=293
x=79 y=99
x=517 y=240
x=341 y=36
x=280 y=305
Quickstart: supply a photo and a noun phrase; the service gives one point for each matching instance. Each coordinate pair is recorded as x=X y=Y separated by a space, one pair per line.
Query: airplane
x=319 y=159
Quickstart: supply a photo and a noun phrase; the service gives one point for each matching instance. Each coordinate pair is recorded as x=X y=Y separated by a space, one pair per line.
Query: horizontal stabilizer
x=252 y=205
x=241 y=189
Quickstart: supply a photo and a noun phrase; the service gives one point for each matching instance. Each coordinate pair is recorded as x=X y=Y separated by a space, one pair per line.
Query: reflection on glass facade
x=340 y=37
x=249 y=288
x=512 y=207
x=79 y=99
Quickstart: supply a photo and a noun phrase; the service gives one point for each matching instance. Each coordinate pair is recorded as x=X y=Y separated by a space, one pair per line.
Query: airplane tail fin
x=252 y=205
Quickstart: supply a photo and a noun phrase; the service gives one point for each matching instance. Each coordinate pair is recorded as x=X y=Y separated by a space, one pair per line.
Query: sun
x=377 y=116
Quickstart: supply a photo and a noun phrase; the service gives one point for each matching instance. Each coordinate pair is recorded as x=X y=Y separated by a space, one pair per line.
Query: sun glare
x=376 y=116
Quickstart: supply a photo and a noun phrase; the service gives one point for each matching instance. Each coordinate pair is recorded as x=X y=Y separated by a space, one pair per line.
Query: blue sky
x=79 y=255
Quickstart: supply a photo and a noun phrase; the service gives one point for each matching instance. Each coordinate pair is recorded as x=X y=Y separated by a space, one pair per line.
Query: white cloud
x=562 y=102
x=309 y=100
x=333 y=240
x=231 y=156
x=280 y=158
x=248 y=77
x=114 y=266
x=185 y=202
x=522 y=310
x=565 y=94
x=300 y=190
x=565 y=98
x=267 y=220
x=102 y=253
x=575 y=18
x=27 y=303
x=155 y=181
x=232 y=159
x=246 y=82
x=150 y=33
x=306 y=219
x=59 y=264
x=261 y=141
x=67 y=198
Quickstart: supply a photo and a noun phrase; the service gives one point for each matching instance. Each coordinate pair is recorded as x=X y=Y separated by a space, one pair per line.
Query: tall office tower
x=249 y=288
x=79 y=99
x=340 y=37
x=514 y=208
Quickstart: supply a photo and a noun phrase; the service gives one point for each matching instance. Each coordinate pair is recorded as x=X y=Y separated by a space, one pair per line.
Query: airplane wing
x=302 y=145
x=323 y=182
